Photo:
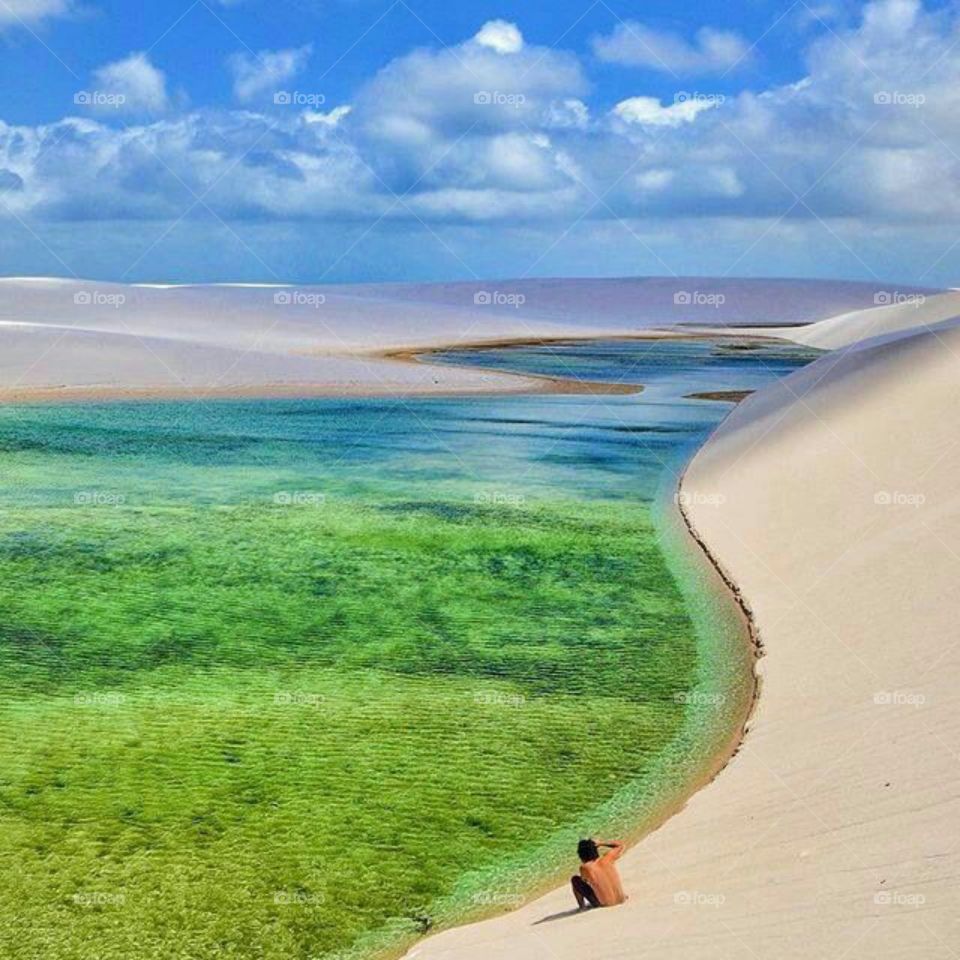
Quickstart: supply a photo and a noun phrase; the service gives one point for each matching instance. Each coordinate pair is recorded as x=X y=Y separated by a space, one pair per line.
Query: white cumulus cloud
x=435 y=117
x=500 y=35
x=569 y=113
x=332 y=118
x=648 y=111
x=634 y=45
x=266 y=71
x=133 y=84
x=26 y=12
x=866 y=133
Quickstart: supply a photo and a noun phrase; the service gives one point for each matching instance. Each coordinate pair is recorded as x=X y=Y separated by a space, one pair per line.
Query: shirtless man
x=599 y=882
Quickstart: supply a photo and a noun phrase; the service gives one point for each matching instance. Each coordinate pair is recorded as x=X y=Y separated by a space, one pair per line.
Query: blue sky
x=191 y=42
x=342 y=140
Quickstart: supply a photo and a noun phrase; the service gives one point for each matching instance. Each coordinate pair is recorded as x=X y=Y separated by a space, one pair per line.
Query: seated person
x=598 y=884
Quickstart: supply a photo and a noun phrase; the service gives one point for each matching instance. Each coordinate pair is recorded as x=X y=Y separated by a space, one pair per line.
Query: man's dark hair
x=587 y=850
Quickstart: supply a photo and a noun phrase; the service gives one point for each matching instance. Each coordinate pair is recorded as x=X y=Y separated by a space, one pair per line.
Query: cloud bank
x=499 y=130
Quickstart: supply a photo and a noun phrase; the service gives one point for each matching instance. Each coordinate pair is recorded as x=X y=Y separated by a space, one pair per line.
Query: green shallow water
x=310 y=678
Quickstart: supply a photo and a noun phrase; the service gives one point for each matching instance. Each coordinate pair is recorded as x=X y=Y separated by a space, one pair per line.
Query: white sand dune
x=831 y=500
x=910 y=312
x=643 y=302
x=49 y=360
x=68 y=335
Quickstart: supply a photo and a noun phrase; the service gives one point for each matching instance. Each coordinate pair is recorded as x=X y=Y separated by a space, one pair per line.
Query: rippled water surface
x=298 y=678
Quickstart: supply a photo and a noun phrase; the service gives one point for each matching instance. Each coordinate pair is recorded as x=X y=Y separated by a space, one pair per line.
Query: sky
x=363 y=140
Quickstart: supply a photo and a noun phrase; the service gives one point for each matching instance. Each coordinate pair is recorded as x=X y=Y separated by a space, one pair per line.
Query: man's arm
x=615 y=848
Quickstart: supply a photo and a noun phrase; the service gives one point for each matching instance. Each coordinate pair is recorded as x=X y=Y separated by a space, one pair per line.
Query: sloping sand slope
x=913 y=312
x=832 y=501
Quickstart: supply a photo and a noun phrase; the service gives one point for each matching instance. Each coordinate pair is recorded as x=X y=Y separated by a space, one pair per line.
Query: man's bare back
x=599 y=883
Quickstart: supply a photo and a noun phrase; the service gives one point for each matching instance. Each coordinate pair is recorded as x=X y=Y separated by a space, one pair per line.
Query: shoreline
x=492 y=382
x=412 y=352
x=721 y=396
x=505 y=383
x=295 y=391
x=693 y=553
x=696 y=554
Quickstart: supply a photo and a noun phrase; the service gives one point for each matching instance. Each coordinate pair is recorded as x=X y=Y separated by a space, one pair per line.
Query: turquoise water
x=252 y=648
x=602 y=446
x=668 y=369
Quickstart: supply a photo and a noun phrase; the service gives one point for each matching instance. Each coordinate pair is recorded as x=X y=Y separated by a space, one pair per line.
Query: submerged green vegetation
x=269 y=731
x=301 y=679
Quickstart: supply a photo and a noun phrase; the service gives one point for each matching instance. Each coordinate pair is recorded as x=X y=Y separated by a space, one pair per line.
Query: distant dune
x=911 y=312
x=657 y=301
x=72 y=336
